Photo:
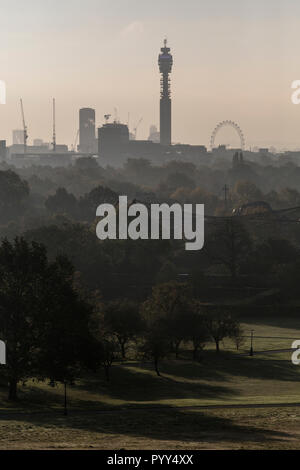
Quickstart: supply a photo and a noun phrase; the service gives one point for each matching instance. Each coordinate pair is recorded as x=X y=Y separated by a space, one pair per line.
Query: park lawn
x=283 y=330
x=225 y=378
x=173 y=429
x=137 y=409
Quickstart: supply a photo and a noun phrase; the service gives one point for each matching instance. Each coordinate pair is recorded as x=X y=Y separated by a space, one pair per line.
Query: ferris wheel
x=232 y=124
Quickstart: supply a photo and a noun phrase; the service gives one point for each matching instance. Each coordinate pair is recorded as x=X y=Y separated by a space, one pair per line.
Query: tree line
x=55 y=331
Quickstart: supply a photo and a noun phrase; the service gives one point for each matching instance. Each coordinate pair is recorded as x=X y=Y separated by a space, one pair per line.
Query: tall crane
x=24 y=126
x=54 y=128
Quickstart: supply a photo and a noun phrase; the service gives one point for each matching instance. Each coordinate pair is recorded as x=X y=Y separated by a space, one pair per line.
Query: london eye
x=232 y=124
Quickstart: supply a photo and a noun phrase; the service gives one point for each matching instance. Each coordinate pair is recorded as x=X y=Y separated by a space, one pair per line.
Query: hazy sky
x=233 y=59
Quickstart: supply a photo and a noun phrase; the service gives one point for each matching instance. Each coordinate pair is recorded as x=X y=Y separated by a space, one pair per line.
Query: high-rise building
x=113 y=139
x=2 y=150
x=165 y=62
x=87 y=130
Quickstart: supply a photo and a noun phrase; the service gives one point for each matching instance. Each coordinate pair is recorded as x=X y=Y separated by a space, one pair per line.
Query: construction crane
x=24 y=126
x=54 y=129
x=136 y=128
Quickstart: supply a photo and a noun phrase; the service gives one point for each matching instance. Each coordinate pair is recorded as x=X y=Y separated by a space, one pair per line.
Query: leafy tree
x=137 y=170
x=156 y=343
x=79 y=243
x=42 y=319
x=197 y=196
x=220 y=325
x=178 y=180
x=89 y=202
x=228 y=245
x=108 y=353
x=169 y=302
x=23 y=274
x=196 y=328
x=123 y=320
x=105 y=348
x=246 y=191
x=269 y=256
x=13 y=193
x=64 y=335
x=237 y=336
x=62 y=202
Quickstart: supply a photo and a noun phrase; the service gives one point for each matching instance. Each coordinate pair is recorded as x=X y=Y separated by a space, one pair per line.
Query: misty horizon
x=232 y=62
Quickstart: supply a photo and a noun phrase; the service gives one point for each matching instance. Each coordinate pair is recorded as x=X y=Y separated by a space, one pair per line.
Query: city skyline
x=231 y=62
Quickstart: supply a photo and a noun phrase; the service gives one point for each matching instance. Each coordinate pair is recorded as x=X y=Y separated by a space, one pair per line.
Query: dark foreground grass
x=138 y=410
x=163 y=429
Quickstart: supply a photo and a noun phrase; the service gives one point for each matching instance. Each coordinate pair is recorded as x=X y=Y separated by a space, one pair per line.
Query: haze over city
x=231 y=61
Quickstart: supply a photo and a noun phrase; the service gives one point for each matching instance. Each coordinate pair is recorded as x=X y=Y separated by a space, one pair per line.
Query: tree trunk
x=107 y=375
x=217 y=345
x=123 y=350
x=177 y=345
x=156 y=367
x=12 y=393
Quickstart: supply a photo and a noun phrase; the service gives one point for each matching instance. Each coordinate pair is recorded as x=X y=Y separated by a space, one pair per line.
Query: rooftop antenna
x=24 y=126
x=54 y=130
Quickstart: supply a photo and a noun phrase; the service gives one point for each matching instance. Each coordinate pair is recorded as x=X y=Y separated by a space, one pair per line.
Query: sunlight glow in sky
x=232 y=60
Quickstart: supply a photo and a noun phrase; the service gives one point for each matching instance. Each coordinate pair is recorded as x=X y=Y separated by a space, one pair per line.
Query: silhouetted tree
x=169 y=301
x=195 y=329
x=220 y=325
x=65 y=341
x=62 y=202
x=13 y=193
x=42 y=319
x=122 y=319
x=229 y=244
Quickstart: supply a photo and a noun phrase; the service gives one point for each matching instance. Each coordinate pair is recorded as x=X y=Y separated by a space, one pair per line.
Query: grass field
x=139 y=410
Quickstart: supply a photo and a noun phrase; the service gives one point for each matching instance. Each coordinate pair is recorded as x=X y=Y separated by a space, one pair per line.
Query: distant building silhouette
x=113 y=139
x=2 y=150
x=165 y=62
x=154 y=135
x=18 y=137
x=87 y=131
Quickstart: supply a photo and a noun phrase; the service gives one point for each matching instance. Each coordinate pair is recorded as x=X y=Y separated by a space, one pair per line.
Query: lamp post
x=251 y=345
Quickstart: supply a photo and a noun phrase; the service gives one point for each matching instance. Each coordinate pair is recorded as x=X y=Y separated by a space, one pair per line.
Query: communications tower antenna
x=165 y=62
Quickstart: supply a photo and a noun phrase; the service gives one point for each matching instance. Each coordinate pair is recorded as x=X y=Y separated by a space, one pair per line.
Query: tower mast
x=165 y=62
